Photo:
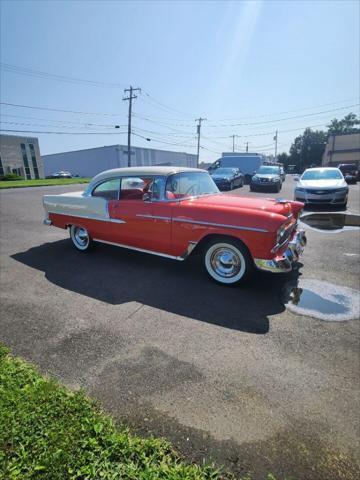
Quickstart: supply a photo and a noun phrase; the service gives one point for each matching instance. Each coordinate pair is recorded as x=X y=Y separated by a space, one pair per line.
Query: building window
x=1 y=167
x=26 y=162
x=33 y=159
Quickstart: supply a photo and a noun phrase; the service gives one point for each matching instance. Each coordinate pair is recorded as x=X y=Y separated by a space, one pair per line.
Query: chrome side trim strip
x=223 y=225
x=190 y=248
x=156 y=217
x=88 y=217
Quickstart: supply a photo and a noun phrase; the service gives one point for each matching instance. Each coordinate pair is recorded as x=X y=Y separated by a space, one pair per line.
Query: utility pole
x=130 y=98
x=276 y=140
x=247 y=146
x=233 y=137
x=198 y=129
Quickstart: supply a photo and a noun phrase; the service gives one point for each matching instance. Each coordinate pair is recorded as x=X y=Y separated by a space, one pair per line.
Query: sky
x=249 y=67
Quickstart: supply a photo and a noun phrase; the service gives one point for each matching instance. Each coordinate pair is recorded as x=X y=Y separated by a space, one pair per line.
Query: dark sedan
x=268 y=177
x=350 y=172
x=228 y=178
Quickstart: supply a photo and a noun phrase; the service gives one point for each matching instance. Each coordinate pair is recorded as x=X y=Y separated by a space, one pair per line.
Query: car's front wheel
x=80 y=238
x=227 y=261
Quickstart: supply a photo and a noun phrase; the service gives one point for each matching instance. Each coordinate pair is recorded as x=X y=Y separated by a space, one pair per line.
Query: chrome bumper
x=285 y=262
x=47 y=222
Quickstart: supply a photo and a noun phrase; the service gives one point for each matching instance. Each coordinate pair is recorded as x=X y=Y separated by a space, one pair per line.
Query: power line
x=175 y=121
x=56 y=126
x=160 y=141
x=6 y=67
x=166 y=107
x=86 y=124
x=33 y=107
x=61 y=133
x=285 y=118
x=288 y=111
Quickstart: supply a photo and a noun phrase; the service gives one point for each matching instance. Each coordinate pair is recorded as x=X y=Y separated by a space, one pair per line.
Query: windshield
x=190 y=184
x=269 y=170
x=322 y=174
x=224 y=171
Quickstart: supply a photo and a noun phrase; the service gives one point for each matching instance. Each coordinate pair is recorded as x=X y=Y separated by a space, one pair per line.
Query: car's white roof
x=143 y=171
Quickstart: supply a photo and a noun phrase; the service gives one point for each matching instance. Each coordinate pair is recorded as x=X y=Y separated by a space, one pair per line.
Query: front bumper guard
x=284 y=263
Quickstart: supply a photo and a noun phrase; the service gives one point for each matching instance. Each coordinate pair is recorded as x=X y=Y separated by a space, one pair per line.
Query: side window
x=108 y=189
x=133 y=188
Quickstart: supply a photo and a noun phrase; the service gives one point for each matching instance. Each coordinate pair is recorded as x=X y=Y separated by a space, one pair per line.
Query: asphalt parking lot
x=224 y=373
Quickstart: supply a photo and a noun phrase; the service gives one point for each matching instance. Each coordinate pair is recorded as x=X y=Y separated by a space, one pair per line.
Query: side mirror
x=146 y=197
x=254 y=172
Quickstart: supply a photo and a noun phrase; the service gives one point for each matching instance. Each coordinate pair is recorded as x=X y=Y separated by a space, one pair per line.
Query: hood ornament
x=281 y=200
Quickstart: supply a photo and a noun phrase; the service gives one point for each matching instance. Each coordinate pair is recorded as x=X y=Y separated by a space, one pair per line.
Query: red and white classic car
x=173 y=211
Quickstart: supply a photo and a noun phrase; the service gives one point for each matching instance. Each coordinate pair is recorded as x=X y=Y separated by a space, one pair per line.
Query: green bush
x=10 y=177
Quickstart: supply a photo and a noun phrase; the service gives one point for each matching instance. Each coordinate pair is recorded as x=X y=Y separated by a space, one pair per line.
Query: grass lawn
x=42 y=182
x=48 y=432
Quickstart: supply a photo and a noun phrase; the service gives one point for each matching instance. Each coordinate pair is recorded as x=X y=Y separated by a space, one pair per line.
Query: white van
x=247 y=163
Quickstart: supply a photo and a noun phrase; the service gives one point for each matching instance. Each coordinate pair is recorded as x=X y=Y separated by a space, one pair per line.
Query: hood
x=267 y=175
x=322 y=184
x=271 y=205
x=221 y=176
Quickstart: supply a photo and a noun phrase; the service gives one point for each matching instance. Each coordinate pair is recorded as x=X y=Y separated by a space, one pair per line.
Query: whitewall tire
x=227 y=261
x=80 y=238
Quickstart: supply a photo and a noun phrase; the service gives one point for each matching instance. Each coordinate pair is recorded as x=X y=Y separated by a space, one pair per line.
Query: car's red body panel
x=168 y=227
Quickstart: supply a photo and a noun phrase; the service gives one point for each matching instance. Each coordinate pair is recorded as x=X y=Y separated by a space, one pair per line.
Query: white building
x=89 y=162
x=20 y=155
x=342 y=148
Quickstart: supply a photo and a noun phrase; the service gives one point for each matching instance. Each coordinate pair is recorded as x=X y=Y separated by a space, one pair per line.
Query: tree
x=307 y=149
x=284 y=159
x=347 y=125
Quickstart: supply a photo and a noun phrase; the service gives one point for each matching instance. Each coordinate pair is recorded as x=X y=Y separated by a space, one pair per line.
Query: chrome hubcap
x=81 y=236
x=225 y=262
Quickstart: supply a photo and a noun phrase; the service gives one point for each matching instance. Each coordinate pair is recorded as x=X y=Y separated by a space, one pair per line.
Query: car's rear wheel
x=80 y=238
x=227 y=261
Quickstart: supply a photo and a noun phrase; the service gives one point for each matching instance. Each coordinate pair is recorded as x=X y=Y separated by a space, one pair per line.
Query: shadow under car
x=115 y=275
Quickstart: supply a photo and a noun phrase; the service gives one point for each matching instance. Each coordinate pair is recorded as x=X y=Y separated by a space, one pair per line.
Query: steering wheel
x=193 y=188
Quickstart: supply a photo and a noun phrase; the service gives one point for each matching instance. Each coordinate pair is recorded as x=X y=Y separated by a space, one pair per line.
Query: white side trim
x=223 y=225
x=92 y=217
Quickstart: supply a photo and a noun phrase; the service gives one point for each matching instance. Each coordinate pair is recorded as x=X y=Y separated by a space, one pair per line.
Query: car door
x=140 y=219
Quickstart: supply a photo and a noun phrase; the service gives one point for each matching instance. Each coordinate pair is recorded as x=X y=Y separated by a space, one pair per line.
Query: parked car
x=322 y=186
x=228 y=178
x=247 y=163
x=61 y=174
x=350 y=172
x=175 y=211
x=282 y=174
x=268 y=177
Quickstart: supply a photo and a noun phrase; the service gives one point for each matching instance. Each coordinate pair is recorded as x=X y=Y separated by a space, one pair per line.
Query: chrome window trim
x=91 y=187
x=100 y=182
x=222 y=225
x=191 y=196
